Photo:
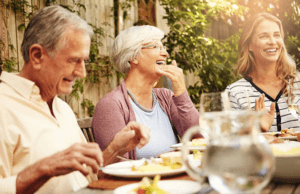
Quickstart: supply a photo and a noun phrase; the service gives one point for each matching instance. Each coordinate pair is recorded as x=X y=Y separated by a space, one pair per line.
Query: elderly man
x=42 y=148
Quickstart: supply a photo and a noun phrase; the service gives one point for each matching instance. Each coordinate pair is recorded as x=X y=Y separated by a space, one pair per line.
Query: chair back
x=86 y=127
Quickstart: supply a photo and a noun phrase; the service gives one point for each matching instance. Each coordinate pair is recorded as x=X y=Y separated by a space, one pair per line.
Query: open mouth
x=270 y=50
x=68 y=80
x=160 y=62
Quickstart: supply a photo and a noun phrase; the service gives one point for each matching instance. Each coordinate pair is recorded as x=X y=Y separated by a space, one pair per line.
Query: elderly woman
x=267 y=69
x=139 y=53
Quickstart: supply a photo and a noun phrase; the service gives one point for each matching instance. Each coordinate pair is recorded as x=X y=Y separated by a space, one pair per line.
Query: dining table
x=107 y=183
x=286 y=179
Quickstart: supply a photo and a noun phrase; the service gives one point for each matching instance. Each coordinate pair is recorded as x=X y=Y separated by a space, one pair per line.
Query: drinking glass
x=237 y=159
x=292 y=98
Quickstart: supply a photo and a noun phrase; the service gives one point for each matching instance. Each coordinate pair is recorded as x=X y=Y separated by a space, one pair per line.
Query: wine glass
x=237 y=159
x=292 y=98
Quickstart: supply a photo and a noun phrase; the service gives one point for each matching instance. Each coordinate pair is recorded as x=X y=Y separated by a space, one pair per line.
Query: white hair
x=129 y=42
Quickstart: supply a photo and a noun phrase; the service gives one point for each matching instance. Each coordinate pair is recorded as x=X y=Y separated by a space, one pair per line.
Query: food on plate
x=148 y=186
x=298 y=136
x=197 y=154
x=170 y=161
x=199 y=142
x=273 y=139
x=286 y=133
x=171 y=158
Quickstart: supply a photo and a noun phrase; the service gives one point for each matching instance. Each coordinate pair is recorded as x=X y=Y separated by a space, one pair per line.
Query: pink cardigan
x=113 y=112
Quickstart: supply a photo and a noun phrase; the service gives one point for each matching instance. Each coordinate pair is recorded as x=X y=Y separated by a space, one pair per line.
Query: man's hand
x=61 y=163
x=73 y=158
x=267 y=119
x=176 y=76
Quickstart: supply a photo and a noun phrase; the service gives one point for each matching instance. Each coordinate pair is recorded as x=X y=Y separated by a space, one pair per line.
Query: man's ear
x=36 y=54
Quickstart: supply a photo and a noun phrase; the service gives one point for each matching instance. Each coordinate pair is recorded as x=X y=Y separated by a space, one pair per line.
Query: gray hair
x=47 y=28
x=129 y=42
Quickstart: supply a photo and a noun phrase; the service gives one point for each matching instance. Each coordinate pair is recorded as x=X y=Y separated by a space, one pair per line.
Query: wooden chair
x=87 y=129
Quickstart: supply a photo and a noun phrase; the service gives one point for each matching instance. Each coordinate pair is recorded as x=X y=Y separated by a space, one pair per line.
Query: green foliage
x=20 y=7
x=77 y=5
x=77 y=88
x=7 y=64
x=89 y=105
x=293 y=47
x=23 y=8
x=188 y=44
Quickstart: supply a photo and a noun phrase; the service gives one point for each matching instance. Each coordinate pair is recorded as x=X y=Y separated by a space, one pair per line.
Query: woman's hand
x=133 y=135
x=268 y=117
x=176 y=76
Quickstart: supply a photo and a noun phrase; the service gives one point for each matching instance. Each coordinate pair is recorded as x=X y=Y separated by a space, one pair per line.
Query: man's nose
x=80 y=70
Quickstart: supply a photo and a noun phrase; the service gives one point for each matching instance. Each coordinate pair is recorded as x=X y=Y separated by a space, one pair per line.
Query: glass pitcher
x=237 y=159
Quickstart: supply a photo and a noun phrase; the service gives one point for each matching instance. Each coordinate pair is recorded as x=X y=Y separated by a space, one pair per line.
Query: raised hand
x=176 y=76
x=268 y=117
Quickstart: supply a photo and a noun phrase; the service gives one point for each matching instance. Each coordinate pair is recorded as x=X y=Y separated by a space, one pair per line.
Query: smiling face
x=58 y=73
x=150 y=58
x=267 y=42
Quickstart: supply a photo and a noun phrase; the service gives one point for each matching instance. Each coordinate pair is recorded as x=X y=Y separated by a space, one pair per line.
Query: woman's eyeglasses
x=157 y=46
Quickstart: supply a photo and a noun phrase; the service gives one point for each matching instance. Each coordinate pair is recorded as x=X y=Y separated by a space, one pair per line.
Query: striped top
x=283 y=119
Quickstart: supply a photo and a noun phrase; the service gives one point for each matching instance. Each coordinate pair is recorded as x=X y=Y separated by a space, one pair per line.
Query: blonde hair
x=285 y=67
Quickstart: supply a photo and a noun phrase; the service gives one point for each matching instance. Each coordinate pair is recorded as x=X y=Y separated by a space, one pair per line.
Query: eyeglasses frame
x=155 y=45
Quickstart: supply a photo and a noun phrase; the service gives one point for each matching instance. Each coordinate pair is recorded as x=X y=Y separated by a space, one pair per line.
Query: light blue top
x=162 y=135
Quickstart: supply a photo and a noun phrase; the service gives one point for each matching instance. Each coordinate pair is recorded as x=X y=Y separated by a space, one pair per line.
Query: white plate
x=123 y=169
x=285 y=138
x=179 y=146
x=287 y=166
x=173 y=187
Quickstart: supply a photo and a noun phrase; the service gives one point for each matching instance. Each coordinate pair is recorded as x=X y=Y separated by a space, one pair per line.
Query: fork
x=122 y=158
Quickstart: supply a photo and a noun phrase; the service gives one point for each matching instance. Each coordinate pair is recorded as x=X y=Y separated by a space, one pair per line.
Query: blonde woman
x=267 y=69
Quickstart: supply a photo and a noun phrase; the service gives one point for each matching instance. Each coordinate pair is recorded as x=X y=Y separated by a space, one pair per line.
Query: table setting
x=233 y=157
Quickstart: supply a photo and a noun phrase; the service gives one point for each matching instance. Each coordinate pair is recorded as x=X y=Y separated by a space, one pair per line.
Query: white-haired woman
x=267 y=69
x=139 y=53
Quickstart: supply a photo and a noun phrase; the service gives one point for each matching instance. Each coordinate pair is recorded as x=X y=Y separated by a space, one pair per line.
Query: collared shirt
x=29 y=132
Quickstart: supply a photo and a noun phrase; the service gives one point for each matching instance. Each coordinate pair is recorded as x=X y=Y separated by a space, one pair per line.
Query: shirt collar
x=22 y=85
